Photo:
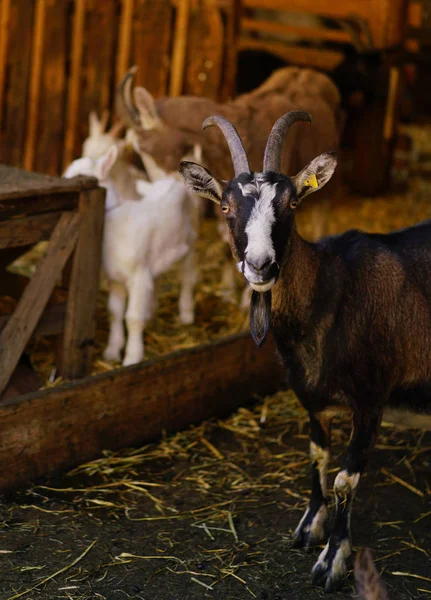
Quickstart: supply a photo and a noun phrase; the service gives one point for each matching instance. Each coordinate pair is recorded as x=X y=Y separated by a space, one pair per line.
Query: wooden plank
x=33 y=99
x=17 y=183
x=74 y=81
x=20 y=33
x=4 y=38
x=20 y=326
x=386 y=18
x=204 y=58
x=307 y=57
x=25 y=206
x=314 y=33
x=232 y=19
x=152 y=27
x=179 y=48
x=27 y=230
x=56 y=429
x=52 y=101
x=98 y=63
x=51 y=322
x=80 y=324
x=123 y=53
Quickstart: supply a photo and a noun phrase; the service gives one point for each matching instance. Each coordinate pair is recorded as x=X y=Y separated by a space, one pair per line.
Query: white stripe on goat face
x=261 y=220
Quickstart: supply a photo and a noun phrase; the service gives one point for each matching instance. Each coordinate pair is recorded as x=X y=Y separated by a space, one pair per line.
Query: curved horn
x=125 y=106
x=236 y=147
x=274 y=145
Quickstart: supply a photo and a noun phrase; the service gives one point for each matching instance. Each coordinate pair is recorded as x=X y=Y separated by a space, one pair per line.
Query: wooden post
x=20 y=326
x=74 y=82
x=79 y=327
x=4 y=37
x=34 y=95
x=125 y=39
x=180 y=46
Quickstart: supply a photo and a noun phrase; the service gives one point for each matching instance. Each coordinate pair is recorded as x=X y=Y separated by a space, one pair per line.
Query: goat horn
x=126 y=108
x=274 y=145
x=236 y=147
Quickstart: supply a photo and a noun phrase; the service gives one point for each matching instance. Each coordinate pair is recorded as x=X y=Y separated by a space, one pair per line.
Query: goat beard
x=260 y=316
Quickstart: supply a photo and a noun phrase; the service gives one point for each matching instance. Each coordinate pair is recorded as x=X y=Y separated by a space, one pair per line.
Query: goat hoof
x=131 y=360
x=330 y=570
x=311 y=529
x=111 y=354
x=187 y=317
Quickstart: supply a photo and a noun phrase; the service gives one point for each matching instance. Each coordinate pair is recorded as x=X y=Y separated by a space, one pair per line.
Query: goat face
x=259 y=207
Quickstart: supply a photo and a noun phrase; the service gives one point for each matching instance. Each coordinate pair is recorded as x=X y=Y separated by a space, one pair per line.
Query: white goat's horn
x=274 y=145
x=236 y=147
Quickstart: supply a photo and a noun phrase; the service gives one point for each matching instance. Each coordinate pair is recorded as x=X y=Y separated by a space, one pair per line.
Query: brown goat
x=168 y=128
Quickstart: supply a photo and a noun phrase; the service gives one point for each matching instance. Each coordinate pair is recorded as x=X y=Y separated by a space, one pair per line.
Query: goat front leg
x=331 y=566
x=116 y=308
x=139 y=311
x=188 y=282
x=311 y=528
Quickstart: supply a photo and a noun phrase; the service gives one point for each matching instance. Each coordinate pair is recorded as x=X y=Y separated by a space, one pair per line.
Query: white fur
x=259 y=228
x=141 y=241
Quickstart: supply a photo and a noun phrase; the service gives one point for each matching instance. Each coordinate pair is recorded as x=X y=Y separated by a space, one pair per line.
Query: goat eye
x=293 y=204
x=225 y=208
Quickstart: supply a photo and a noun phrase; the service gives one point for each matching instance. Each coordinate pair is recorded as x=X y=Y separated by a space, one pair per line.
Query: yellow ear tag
x=311 y=181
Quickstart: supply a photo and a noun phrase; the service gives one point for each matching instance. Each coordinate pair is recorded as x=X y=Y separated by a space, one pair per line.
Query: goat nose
x=260 y=264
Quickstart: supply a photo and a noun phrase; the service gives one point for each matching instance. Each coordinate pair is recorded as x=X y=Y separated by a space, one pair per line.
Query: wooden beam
x=80 y=323
x=56 y=429
x=34 y=94
x=20 y=326
x=27 y=230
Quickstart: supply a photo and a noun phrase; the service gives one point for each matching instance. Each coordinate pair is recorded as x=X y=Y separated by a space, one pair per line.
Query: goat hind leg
x=331 y=566
x=116 y=307
x=188 y=282
x=311 y=528
x=139 y=311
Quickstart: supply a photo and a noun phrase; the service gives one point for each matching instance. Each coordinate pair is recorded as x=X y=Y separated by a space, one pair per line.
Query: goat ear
x=201 y=181
x=315 y=175
x=97 y=127
x=147 y=109
x=105 y=163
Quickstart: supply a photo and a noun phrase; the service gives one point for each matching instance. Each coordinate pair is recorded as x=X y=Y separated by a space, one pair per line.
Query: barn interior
x=161 y=480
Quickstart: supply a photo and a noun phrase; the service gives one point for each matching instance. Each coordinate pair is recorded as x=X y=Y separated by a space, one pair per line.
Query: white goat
x=141 y=241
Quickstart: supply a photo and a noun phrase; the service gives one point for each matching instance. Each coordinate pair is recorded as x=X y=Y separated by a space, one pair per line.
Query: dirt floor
x=208 y=513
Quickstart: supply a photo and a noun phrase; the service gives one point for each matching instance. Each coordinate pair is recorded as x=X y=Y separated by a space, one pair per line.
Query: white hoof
x=112 y=354
x=131 y=360
x=187 y=317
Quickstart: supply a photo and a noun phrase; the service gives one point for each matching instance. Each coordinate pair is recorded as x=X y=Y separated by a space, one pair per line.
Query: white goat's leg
x=139 y=310
x=116 y=307
x=188 y=282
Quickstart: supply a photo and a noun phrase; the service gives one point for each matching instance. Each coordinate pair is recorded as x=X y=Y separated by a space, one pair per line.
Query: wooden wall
x=59 y=59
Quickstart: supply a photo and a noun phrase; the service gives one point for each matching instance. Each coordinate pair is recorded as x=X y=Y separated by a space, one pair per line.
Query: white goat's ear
x=97 y=127
x=201 y=181
x=315 y=175
x=105 y=163
x=146 y=105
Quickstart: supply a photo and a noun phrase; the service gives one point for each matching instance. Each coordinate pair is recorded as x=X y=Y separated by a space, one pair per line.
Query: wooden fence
x=60 y=59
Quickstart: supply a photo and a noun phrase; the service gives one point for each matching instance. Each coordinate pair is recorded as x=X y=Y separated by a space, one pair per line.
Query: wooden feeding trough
x=49 y=430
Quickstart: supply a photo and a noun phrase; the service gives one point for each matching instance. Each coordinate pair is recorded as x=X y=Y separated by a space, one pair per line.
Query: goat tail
x=368 y=583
